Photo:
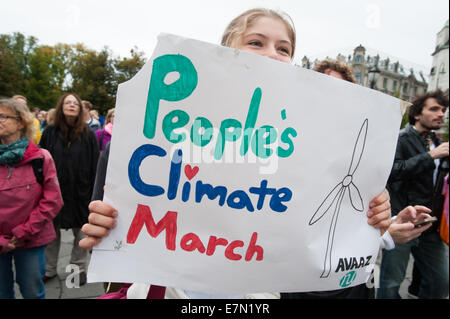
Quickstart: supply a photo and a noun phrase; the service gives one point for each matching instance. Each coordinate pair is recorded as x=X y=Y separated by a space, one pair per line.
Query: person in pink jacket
x=104 y=135
x=29 y=200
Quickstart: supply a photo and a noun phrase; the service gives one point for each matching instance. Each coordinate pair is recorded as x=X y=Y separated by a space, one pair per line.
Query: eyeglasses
x=71 y=102
x=4 y=117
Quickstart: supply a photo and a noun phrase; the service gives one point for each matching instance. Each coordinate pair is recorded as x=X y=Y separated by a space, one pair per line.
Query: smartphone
x=425 y=221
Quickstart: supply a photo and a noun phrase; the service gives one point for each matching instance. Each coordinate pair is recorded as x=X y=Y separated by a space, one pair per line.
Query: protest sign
x=233 y=173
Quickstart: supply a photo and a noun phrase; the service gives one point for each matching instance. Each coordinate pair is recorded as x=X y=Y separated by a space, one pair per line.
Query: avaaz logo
x=348 y=279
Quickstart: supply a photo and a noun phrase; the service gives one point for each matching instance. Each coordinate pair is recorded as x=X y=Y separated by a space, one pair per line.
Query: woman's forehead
x=7 y=110
x=269 y=27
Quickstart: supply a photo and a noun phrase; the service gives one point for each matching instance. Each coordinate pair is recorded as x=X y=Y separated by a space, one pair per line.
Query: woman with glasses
x=75 y=150
x=29 y=200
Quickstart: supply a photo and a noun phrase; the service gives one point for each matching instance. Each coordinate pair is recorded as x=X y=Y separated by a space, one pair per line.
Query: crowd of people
x=53 y=168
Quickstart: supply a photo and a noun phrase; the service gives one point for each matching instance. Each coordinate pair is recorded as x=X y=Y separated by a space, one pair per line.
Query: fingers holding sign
x=380 y=212
x=101 y=220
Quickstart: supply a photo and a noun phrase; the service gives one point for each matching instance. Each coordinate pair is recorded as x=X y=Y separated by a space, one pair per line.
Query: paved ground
x=57 y=288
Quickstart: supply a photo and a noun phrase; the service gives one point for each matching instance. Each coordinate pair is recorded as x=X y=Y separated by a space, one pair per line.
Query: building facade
x=387 y=76
x=439 y=70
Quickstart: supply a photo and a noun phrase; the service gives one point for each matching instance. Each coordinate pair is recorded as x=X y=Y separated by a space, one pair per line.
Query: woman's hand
x=402 y=229
x=379 y=212
x=13 y=244
x=101 y=221
x=6 y=249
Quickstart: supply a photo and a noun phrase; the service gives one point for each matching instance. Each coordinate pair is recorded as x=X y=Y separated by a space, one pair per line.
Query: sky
x=401 y=29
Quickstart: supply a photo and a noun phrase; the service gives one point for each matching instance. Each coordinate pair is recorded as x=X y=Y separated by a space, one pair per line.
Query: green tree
x=126 y=68
x=42 y=72
x=405 y=119
x=444 y=135
x=11 y=80
x=48 y=67
x=15 y=50
x=21 y=47
x=93 y=77
x=63 y=58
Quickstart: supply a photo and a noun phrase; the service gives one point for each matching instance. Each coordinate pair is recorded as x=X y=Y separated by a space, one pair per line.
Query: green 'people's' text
x=258 y=140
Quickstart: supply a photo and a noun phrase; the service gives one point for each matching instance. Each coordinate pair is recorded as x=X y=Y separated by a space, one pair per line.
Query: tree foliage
x=94 y=77
x=42 y=72
x=128 y=67
x=15 y=50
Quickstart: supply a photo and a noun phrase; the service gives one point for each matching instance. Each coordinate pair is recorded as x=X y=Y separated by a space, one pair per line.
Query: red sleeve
x=49 y=205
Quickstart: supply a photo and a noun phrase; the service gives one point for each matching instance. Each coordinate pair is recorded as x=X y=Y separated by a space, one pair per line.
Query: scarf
x=13 y=153
x=428 y=136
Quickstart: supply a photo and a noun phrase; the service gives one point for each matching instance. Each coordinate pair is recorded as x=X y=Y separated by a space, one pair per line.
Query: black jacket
x=100 y=178
x=411 y=178
x=76 y=165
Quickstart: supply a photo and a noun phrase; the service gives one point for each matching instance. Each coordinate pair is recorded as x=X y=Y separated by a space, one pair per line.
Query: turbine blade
x=331 y=233
x=358 y=150
x=355 y=197
x=326 y=204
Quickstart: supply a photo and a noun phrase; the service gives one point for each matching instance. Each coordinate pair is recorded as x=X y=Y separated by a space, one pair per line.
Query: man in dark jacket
x=420 y=161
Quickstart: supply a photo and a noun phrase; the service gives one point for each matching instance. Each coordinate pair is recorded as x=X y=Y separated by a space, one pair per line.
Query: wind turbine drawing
x=334 y=199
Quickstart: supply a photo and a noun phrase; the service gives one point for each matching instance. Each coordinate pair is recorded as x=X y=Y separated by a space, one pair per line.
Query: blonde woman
x=29 y=200
x=51 y=116
x=37 y=132
x=260 y=31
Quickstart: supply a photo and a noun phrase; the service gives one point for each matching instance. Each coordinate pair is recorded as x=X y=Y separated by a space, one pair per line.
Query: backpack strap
x=38 y=164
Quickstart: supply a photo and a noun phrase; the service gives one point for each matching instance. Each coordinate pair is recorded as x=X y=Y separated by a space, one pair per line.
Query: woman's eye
x=285 y=50
x=255 y=43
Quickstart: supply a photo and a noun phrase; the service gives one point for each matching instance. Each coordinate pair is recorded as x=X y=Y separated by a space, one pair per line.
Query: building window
x=405 y=88
x=358 y=59
x=415 y=91
x=433 y=71
x=442 y=68
x=358 y=78
x=394 y=86
x=385 y=82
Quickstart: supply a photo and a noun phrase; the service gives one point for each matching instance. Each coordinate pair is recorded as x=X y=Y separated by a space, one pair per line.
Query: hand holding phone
x=425 y=221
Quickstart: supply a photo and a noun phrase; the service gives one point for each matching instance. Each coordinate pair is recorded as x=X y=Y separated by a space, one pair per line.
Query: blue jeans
x=30 y=268
x=431 y=259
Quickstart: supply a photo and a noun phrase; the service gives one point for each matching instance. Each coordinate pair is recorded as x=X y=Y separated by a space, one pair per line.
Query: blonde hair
x=109 y=114
x=240 y=24
x=24 y=115
x=51 y=116
x=20 y=97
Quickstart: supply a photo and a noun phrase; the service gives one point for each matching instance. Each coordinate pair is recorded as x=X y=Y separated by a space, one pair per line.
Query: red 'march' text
x=189 y=242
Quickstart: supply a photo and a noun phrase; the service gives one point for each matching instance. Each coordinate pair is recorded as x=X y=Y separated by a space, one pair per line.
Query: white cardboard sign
x=233 y=173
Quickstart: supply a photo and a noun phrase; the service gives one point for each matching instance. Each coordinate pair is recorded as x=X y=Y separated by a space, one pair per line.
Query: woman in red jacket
x=29 y=200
